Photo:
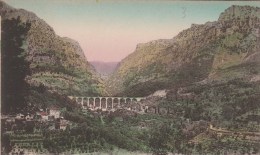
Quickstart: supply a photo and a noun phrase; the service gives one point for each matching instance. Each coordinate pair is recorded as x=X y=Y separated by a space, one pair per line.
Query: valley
x=196 y=93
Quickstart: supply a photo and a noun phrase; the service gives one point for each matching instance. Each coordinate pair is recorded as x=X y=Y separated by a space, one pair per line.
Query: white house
x=29 y=117
x=19 y=116
x=54 y=112
x=43 y=115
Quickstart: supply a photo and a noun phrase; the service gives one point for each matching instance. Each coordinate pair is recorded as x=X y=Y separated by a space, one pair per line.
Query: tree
x=167 y=138
x=14 y=65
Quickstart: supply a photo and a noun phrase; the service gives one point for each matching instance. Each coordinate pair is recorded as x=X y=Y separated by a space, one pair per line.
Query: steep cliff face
x=200 y=52
x=57 y=64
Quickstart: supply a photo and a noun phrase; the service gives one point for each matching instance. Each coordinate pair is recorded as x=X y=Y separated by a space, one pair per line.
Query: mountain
x=104 y=68
x=54 y=64
x=225 y=49
x=209 y=72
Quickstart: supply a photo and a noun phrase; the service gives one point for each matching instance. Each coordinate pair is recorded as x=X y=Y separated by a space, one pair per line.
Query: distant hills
x=104 y=68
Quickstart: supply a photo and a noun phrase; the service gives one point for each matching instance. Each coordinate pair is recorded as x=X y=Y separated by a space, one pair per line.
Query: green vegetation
x=151 y=133
x=14 y=66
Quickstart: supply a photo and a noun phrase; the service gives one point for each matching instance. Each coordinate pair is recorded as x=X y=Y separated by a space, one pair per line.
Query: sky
x=109 y=30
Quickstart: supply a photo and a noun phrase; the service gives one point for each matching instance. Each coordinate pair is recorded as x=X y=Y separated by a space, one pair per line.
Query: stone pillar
x=88 y=102
x=106 y=103
x=76 y=100
x=112 y=103
x=82 y=101
x=119 y=102
x=100 y=103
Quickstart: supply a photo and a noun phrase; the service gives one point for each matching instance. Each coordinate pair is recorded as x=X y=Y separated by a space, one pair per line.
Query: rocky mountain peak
x=242 y=12
x=4 y=6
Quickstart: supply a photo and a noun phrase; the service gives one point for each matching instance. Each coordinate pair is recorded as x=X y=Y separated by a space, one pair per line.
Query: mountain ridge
x=56 y=63
x=193 y=54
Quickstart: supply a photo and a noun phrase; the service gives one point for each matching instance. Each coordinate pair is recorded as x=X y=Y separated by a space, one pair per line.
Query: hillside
x=217 y=50
x=53 y=64
x=210 y=73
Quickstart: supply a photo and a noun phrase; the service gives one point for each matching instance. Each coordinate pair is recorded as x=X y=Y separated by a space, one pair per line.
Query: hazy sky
x=110 y=30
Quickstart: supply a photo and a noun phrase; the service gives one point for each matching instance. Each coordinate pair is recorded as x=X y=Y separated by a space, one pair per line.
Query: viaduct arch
x=105 y=103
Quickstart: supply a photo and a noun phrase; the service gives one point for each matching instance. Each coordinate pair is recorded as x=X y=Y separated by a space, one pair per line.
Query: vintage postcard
x=141 y=77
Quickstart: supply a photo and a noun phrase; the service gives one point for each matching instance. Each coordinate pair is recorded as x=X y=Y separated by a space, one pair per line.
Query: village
x=25 y=131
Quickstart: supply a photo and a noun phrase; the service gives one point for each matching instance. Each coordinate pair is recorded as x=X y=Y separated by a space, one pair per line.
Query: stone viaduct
x=106 y=103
